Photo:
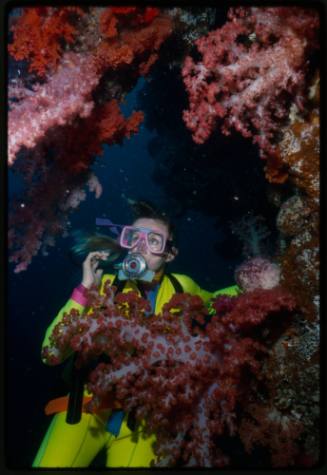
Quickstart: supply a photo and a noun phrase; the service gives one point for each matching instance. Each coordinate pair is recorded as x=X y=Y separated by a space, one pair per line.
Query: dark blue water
x=36 y=295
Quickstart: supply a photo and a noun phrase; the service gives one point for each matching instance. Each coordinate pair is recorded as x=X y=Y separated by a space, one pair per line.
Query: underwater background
x=230 y=200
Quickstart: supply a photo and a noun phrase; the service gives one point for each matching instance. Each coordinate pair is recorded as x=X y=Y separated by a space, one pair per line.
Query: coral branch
x=64 y=97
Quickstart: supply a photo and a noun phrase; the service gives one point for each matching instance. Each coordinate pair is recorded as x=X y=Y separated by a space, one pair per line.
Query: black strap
x=174 y=281
x=176 y=284
x=75 y=400
x=119 y=286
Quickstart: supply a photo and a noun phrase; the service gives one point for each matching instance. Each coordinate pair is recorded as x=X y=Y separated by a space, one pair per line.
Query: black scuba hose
x=75 y=400
x=76 y=377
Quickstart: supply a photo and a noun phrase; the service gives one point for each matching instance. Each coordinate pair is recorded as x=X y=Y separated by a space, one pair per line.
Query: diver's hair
x=85 y=242
x=145 y=209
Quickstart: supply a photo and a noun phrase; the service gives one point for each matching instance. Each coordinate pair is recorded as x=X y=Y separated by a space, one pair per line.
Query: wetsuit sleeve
x=78 y=302
x=70 y=304
x=193 y=288
x=232 y=291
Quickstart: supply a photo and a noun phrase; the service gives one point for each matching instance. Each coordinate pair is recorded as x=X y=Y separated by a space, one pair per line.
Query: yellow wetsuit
x=76 y=445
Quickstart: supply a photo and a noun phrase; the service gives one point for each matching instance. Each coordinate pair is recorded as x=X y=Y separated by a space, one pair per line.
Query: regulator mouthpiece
x=134 y=267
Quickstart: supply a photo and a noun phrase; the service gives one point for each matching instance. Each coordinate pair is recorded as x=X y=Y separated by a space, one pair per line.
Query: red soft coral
x=183 y=380
x=39 y=35
x=60 y=124
x=252 y=69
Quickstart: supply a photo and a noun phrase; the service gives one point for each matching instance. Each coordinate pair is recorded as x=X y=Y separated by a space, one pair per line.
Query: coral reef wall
x=259 y=74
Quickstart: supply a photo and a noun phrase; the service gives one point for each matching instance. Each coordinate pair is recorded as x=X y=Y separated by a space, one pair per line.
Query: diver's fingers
x=98 y=276
x=104 y=254
x=95 y=255
x=94 y=264
x=90 y=256
x=93 y=259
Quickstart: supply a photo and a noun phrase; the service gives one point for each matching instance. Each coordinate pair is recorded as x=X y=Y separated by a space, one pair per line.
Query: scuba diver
x=75 y=440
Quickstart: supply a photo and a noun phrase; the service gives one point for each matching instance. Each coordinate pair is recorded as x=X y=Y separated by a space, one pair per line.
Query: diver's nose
x=140 y=246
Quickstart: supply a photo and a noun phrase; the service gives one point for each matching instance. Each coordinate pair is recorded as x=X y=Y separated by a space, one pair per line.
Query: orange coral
x=113 y=55
x=113 y=126
x=139 y=16
x=134 y=43
x=300 y=268
x=113 y=17
x=275 y=170
x=108 y=23
x=38 y=36
x=106 y=124
x=300 y=150
x=123 y=10
x=150 y=13
x=145 y=67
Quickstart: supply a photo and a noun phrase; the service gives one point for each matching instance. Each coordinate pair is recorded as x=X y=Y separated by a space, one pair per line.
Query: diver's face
x=154 y=262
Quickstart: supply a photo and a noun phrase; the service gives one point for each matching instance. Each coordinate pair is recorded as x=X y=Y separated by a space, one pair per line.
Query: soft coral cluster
x=252 y=69
x=183 y=379
x=39 y=34
x=66 y=94
x=113 y=19
x=136 y=43
x=65 y=97
x=270 y=427
x=62 y=122
x=284 y=417
x=43 y=212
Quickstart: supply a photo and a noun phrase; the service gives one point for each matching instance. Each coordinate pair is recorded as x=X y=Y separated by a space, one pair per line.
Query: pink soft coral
x=257 y=272
x=251 y=70
x=61 y=123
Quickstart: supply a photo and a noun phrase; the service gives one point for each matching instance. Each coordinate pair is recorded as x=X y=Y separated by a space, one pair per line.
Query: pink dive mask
x=136 y=237
x=132 y=236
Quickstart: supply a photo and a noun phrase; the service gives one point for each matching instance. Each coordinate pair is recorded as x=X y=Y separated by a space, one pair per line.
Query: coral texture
x=257 y=273
x=298 y=219
x=44 y=210
x=39 y=35
x=62 y=114
x=252 y=69
x=183 y=380
x=65 y=96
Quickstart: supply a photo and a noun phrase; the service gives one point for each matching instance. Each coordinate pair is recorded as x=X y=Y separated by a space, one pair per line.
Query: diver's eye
x=154 y=240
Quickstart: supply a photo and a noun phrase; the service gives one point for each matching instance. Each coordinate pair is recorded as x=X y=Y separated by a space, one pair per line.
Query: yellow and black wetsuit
x=76 y=445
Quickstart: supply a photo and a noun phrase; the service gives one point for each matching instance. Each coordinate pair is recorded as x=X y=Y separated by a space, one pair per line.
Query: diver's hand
x=91 y=274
